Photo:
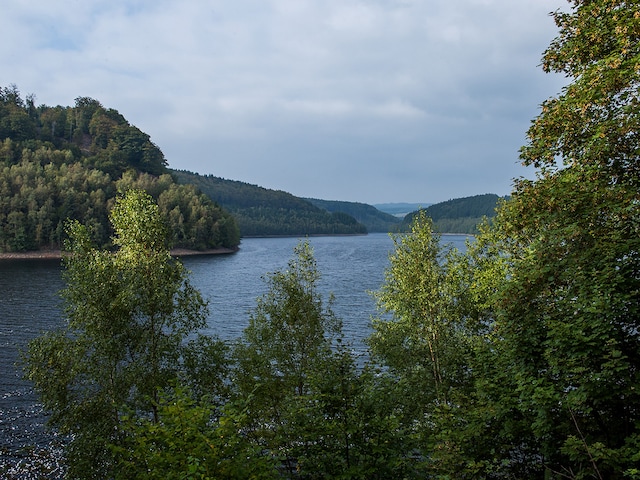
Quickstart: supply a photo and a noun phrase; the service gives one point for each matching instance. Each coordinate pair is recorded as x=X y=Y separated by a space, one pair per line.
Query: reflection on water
x=351 y=267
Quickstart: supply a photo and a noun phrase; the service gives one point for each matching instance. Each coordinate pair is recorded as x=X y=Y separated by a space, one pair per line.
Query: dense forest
x=60 y=163
x=372 y=218
x=460 y=215
x=262 y=212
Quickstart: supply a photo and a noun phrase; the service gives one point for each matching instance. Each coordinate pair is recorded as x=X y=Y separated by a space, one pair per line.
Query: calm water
x=350 y=268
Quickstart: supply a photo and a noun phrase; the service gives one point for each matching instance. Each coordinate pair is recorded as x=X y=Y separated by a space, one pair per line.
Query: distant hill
x=459 y=215
x=60 y=163
x=263 y=212
x=69 y=162
x=371 y=217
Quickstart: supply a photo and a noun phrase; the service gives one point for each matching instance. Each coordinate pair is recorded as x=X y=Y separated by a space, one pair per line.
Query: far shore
x=57 y=254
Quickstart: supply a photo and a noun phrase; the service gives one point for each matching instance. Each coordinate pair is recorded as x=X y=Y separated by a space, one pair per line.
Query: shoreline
x=57 y=254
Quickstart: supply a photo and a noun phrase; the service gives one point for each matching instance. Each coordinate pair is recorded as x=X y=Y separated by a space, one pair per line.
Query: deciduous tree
x=191 y=440
x=567 y=312
x=421 y=342
x=129 y=312
x=290 y=334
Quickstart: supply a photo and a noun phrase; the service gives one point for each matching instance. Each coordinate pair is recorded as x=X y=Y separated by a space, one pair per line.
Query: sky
x=371 y=101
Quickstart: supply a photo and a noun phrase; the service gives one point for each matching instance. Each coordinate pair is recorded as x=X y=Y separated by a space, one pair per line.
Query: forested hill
x=372 y=218
x=263 y=212
x=460 y=215
x=60 y=163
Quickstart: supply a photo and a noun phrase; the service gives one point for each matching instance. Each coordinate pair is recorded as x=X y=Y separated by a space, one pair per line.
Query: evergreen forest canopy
x=372 y=218
x=459 y=215
x=60 y=163
x=263 y=212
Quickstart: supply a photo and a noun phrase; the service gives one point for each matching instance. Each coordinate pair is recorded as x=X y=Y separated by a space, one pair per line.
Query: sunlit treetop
x=595 y=120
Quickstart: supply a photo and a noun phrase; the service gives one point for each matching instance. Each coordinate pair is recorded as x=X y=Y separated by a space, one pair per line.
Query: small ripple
x=28 y=449
x=33 y=463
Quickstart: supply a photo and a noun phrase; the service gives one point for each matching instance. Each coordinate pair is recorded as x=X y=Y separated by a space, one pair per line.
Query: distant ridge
x=371 y=217
x=459 y=215
x=262 y=212
x=70 y=162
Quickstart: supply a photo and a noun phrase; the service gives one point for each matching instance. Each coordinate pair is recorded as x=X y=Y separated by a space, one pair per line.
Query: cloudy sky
x=359 y=100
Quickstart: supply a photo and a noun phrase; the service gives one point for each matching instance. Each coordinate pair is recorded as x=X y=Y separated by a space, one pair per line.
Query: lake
x=351 y=267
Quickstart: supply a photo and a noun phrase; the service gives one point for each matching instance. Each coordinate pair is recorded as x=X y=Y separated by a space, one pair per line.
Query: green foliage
x=263 y=212
x=101 y=137
x=288 y=333
x=598 y=49
x=568 y=317
x=129 y=312
x=591 y=263
x=196 y=222
x=431 y=345
x=566 y=310
x=50 y=173
x=464 y=225
x=415 y=343
x=191 y=440
x=477 y=206
x=347 y=426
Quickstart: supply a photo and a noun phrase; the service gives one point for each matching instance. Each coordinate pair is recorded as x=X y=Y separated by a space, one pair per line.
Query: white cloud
x=235 y=88
x=315 y=107
x=398 y=108
x=355 y=18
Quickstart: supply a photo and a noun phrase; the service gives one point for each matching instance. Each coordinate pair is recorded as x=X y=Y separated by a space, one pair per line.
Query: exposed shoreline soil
x=57 y=254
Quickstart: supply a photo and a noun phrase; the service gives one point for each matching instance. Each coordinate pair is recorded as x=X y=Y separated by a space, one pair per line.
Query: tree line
x=262 y=212
x=368 y=215
x=59 y=163
x=518 y=358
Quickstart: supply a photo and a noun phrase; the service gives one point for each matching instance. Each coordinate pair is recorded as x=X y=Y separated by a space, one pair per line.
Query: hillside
x=60 y=163
x=368 y=215
x=460 y=215
x=263 y=212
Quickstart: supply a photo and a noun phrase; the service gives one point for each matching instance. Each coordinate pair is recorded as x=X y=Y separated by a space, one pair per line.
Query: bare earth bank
x=54 y=254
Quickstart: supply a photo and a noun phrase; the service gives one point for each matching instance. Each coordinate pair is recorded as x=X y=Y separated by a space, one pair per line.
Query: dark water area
x=351 y=267
x=29 y=305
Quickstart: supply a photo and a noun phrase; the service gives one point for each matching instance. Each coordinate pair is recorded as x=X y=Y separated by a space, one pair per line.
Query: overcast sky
x=370 y=101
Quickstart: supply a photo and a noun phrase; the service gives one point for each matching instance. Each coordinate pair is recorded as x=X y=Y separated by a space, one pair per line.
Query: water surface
x=350 y=267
